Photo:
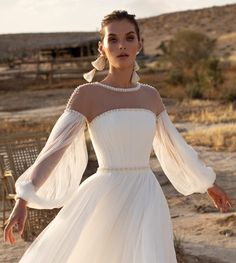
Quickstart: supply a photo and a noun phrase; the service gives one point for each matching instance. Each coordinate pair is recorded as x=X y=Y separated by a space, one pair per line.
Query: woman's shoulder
x=82 y=92
x=81 y=97
x=78 y=96
x=150 y=88
x=152 y=91
x=83 y=88
x=155 y=96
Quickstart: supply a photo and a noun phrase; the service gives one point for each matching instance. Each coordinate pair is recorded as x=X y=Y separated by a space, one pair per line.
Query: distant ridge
x=217 y=22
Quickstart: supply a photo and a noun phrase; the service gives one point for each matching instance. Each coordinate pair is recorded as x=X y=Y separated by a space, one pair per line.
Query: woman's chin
x=124 y=64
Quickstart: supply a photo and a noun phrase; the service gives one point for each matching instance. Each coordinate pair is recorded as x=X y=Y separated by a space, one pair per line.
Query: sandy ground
x=208 y=235
x=204 y=229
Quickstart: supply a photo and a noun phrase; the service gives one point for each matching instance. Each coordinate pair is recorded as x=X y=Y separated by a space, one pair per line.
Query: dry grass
x=220 y=138
x=221 y=119
x=183 y=257
x=204 y=111
x=26 y=126
x=222 y=114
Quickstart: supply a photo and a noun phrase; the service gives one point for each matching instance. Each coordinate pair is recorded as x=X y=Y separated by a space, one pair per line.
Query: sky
x=26 y=16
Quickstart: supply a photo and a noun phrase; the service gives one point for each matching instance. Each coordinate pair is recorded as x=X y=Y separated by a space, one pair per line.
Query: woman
x=119 y=214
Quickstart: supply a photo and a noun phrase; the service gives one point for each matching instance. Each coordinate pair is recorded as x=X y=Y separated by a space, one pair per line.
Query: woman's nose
x=122 y=46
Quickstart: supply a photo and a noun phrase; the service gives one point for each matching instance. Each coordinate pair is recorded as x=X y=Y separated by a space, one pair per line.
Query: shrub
x=193 y=65
x=194 y=90
x=176 y=77
x=230 y=93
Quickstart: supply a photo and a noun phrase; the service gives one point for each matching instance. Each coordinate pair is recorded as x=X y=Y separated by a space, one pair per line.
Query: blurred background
x=189 y=55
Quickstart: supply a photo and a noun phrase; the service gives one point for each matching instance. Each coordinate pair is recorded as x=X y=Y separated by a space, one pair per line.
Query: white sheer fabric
x=119 y=214
x=58 y=169
x=179 y=160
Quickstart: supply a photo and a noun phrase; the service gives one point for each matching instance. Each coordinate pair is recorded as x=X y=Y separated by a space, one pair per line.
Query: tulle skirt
x=113 y=217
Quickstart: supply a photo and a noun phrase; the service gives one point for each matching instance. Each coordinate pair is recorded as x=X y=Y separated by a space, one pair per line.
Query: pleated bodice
x=123 y=137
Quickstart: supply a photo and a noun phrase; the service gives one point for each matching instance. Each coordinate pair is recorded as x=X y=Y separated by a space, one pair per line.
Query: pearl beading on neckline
x=136 y=87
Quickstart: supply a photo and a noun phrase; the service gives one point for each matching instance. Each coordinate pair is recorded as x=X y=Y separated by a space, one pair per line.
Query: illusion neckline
x=136 y=87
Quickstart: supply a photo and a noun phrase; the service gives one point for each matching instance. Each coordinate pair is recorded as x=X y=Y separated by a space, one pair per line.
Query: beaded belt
x=120 y=169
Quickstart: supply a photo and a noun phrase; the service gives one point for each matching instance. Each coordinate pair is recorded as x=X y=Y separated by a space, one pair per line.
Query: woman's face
x=120 y=37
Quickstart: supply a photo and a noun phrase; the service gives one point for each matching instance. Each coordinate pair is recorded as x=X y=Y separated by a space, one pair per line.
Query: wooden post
x=37 y=66
x=53 y=56
x=51 y=72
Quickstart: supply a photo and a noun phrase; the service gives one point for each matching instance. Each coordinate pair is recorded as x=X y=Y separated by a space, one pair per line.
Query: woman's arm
x=180 y=162
x=58 y=169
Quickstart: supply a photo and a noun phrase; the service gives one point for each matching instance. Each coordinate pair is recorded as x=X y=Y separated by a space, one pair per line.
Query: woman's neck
x=119 y=77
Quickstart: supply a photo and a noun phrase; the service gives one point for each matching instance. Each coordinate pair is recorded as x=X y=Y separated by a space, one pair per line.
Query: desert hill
x=217 y=22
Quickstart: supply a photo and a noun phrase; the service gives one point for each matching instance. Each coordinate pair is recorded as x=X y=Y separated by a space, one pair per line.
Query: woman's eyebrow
x=113 y=34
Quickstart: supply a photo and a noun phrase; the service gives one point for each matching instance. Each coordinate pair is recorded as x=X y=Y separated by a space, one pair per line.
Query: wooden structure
x=17 y=153
x=55 y=60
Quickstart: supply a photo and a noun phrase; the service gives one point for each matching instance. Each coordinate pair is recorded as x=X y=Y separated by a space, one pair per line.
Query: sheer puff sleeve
x=57 y=171
x=179 y=161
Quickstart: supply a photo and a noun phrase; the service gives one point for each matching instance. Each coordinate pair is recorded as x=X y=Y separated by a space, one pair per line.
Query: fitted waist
x=124 y=169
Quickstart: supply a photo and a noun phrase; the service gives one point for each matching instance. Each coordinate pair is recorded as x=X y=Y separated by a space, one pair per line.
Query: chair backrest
x=20 y=150
x=1 y=175
x=7 y=180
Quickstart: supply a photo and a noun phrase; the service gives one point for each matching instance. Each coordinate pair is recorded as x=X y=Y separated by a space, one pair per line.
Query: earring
x=98 y=64
x=135 y=76
x=136 y=66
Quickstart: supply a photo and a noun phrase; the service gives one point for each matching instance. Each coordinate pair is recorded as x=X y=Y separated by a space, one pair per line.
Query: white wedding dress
x=119 y=214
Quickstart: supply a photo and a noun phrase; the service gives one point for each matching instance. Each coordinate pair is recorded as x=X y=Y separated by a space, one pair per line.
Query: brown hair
x=118 y=15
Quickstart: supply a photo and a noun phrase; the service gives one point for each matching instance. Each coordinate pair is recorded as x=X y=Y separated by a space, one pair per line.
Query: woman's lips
x=123 y=56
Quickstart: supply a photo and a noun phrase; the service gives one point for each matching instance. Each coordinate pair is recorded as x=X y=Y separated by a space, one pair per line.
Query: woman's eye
x=113 y=39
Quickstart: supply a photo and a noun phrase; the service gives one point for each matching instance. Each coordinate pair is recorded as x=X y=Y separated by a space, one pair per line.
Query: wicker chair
x=17 y=153
x=7 y=189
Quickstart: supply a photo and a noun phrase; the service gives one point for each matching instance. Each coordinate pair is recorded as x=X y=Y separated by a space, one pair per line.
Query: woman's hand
x=17 y=217
x=220 y=199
